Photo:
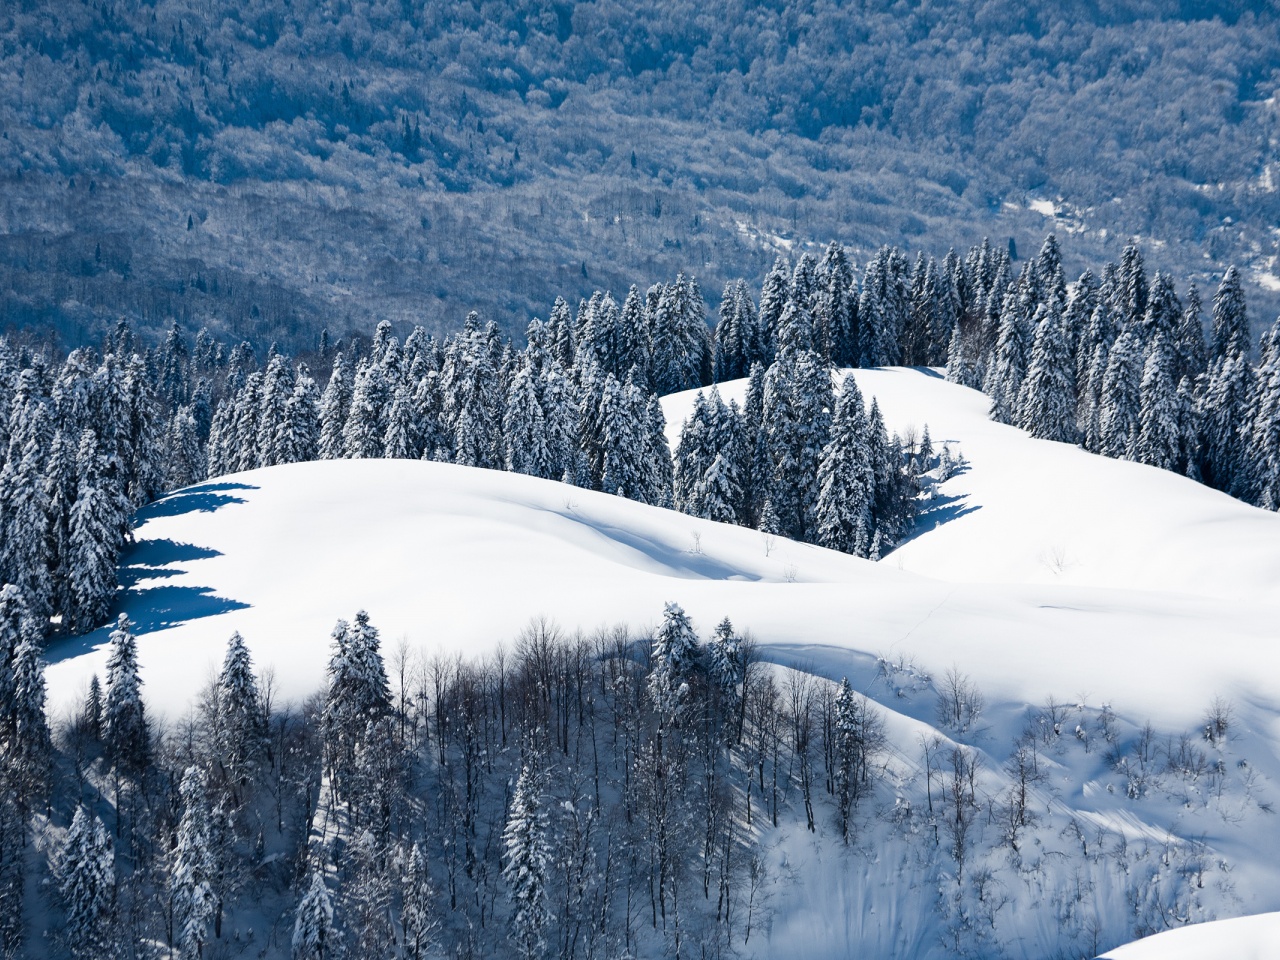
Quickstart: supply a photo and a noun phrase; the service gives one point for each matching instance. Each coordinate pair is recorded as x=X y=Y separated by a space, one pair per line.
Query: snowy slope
x=1242 y=938
x=1042 y=571
x=1032 y=511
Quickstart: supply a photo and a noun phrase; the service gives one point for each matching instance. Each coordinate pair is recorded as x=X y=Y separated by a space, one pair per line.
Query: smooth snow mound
x=1033 y=511
x=455 y=561
x=1244 y=938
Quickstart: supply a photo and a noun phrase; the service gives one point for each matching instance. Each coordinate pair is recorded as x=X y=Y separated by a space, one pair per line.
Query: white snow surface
x=1040 y=570
x=1241 y=938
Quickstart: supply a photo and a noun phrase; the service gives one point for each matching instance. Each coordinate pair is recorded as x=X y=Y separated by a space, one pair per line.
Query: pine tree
x=125 y=734
x=1158 y=435
x=241 y=722
x=1120 y=407
x=86 y=881
x=363 y=433
x=1230 y=318
x=773 y=300
x=1048 y=398
x=674 y=659
x=334 y=408
x=417 y=914
x=314 y=936
x=528 y=856
x=191 y=868
x=98 y=522
x=846 y=479
x=400 y=439
x=298 y=440
x=658 y=468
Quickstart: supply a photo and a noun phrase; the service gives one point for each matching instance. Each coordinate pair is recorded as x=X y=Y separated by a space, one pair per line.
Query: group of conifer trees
x=1119 y=365
x=571 y=796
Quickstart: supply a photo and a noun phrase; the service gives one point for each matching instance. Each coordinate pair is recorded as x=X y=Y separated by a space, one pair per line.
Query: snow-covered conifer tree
x=86 y=880
x=674 y=659
x=846 y=478
x=125 y=734
x=1047 y=405
x=334 y=408
x=528 y=861
x=191 y=868
x=1158 y=435
x=241 y=723
x=1121 y=399
x=314 y=936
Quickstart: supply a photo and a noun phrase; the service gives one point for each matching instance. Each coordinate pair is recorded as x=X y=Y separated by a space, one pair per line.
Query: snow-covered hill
x=1039 y=572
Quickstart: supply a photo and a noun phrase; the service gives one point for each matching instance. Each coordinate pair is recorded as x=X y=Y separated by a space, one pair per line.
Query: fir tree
x=125 y=734
x=1047 y=408
x=528 y=856
x=846 y=479
x=86 y=881
x=1158 y=434
x=191 y=868
x=1006 y=373
x=314 y=936
x=1120 y=406
x=334 y=407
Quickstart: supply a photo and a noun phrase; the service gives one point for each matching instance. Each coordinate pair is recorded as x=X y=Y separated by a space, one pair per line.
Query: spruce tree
x=241 y=722
x=1158 y=434
x=98 y=521
x=524 y=428
x=674 y=662
x=1120 y=404
x=365 y=429
x=125 y=735
x=417 y=914
x=86 y=881
x=1047 y=405
x=314 y=936
x=191 y=868
x=527 y=848
x=298 y=440
x=846 y=479
x=334 y=408
x=1008 y=369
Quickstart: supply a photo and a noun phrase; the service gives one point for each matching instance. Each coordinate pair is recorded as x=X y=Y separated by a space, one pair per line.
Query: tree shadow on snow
x=151 y=559
x=150 y=609
x=205 y=498
x=940 y=510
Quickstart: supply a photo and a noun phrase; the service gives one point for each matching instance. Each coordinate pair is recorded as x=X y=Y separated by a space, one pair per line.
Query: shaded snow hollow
x=1039 y=570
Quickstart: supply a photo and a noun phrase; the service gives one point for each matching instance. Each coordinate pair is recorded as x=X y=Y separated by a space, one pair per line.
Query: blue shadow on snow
x=205 y=498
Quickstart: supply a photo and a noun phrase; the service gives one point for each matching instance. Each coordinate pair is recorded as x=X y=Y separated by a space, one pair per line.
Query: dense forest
x=1117 y=363
x=266 y=170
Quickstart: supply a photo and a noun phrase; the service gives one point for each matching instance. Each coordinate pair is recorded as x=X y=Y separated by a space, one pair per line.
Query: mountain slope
x=455 y=561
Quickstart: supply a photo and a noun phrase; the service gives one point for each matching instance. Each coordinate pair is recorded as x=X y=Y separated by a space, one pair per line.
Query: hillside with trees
x=268 y=170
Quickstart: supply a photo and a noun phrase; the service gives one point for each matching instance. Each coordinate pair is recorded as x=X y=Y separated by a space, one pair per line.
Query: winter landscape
x=406 y=552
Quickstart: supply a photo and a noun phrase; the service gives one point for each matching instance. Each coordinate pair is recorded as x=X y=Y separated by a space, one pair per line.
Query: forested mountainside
x=1117 y=363
x=268 y=169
